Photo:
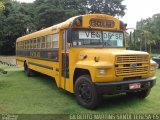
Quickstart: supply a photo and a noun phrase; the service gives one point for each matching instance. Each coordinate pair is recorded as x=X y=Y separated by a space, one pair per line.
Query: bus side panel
x=45 y=67
x=20 y=61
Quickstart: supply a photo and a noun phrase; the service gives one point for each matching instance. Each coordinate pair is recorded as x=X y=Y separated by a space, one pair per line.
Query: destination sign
x=92 y=35
x=109 y=38
x=102 y=23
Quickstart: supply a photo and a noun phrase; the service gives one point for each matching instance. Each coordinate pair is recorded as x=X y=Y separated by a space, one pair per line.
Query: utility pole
x=145 y=43
x=141 y=37
x=134 y=37
x=130 y=40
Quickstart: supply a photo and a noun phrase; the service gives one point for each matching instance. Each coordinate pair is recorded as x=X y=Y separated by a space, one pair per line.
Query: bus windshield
x=97 y=38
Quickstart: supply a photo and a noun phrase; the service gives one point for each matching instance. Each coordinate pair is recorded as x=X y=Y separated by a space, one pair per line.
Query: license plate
x=134 y=86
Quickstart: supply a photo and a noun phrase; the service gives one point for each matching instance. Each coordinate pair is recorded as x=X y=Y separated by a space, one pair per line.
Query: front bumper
x=123 y=86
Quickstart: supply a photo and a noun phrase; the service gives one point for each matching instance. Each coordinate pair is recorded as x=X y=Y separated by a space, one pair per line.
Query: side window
x=49 y=41
x=25 y=44
x=22 y=46
x=43 y=42
x=55 y=41
x=28 y=44
x=19 y=45
x=34 y=43
x=39 y=42
x=31 y=44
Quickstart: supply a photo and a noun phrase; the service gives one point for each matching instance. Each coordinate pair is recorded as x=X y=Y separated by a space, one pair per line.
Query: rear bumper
x=123 y=86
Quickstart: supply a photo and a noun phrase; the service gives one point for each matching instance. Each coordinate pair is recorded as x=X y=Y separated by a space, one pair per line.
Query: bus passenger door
x=65 y=62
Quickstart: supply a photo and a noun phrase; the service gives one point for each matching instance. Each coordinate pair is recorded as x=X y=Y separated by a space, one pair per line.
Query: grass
x=39 y=95
x=154 y=54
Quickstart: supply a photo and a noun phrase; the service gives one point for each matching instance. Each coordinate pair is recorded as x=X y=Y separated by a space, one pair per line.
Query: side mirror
x=69 y=35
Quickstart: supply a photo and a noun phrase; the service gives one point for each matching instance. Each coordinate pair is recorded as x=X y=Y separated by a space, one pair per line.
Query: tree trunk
x=150 y=48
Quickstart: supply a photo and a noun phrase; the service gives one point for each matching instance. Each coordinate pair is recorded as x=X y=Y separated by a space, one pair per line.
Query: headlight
x=152 y=68
x=101 y=71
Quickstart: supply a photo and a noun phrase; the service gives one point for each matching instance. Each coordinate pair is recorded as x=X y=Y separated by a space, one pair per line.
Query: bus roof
x=63 y=25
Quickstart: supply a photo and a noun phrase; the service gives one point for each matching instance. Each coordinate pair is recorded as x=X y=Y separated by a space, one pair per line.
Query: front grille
x=132 y=59
x=131 y=65
x=131 y=71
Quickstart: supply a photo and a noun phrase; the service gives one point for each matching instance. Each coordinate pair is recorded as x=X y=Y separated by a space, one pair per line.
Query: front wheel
x=144 y=93
x=85 y=92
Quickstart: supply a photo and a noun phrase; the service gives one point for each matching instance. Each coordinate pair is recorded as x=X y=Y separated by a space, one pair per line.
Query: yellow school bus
x=86 y=55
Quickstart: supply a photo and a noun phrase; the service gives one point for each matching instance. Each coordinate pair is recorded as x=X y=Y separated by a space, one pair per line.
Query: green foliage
x=147 y=33
x=2 y=6
x=51 y=12
x=111 y=7
x=18 y=19
x=14 y=21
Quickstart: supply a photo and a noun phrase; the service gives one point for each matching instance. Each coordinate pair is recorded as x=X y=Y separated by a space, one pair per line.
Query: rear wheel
x=27 y=71
x=141 y=94
x=85 y=92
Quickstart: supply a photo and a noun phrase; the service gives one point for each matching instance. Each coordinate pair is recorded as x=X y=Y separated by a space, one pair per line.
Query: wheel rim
x=84 y=92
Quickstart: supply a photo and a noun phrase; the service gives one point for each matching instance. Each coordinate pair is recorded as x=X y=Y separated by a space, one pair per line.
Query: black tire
x=141 y=94
x=27 y=71
x=85 y=92
x=144 y=93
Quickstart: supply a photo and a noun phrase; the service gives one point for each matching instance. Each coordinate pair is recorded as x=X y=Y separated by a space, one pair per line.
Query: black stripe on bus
x=39 y=65
x=41 y=54
x=46 y=59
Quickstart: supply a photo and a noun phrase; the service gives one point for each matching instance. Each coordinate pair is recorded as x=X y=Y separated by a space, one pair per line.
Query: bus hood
x=106 y=54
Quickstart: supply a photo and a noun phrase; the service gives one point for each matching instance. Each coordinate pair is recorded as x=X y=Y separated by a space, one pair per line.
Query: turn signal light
x=78 y=22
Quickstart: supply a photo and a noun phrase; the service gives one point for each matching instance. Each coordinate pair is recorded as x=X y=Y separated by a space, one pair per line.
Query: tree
x=13 y=25
x=110 y=7
x=18 y=19
x=149 y=33
x=2 y=6
x=50 y=12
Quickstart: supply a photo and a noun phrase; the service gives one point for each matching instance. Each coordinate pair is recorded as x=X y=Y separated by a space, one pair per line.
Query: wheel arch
x=79 y=72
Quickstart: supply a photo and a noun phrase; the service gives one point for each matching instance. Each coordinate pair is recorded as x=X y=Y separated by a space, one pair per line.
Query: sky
x=139 y=9
x=136 y=10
